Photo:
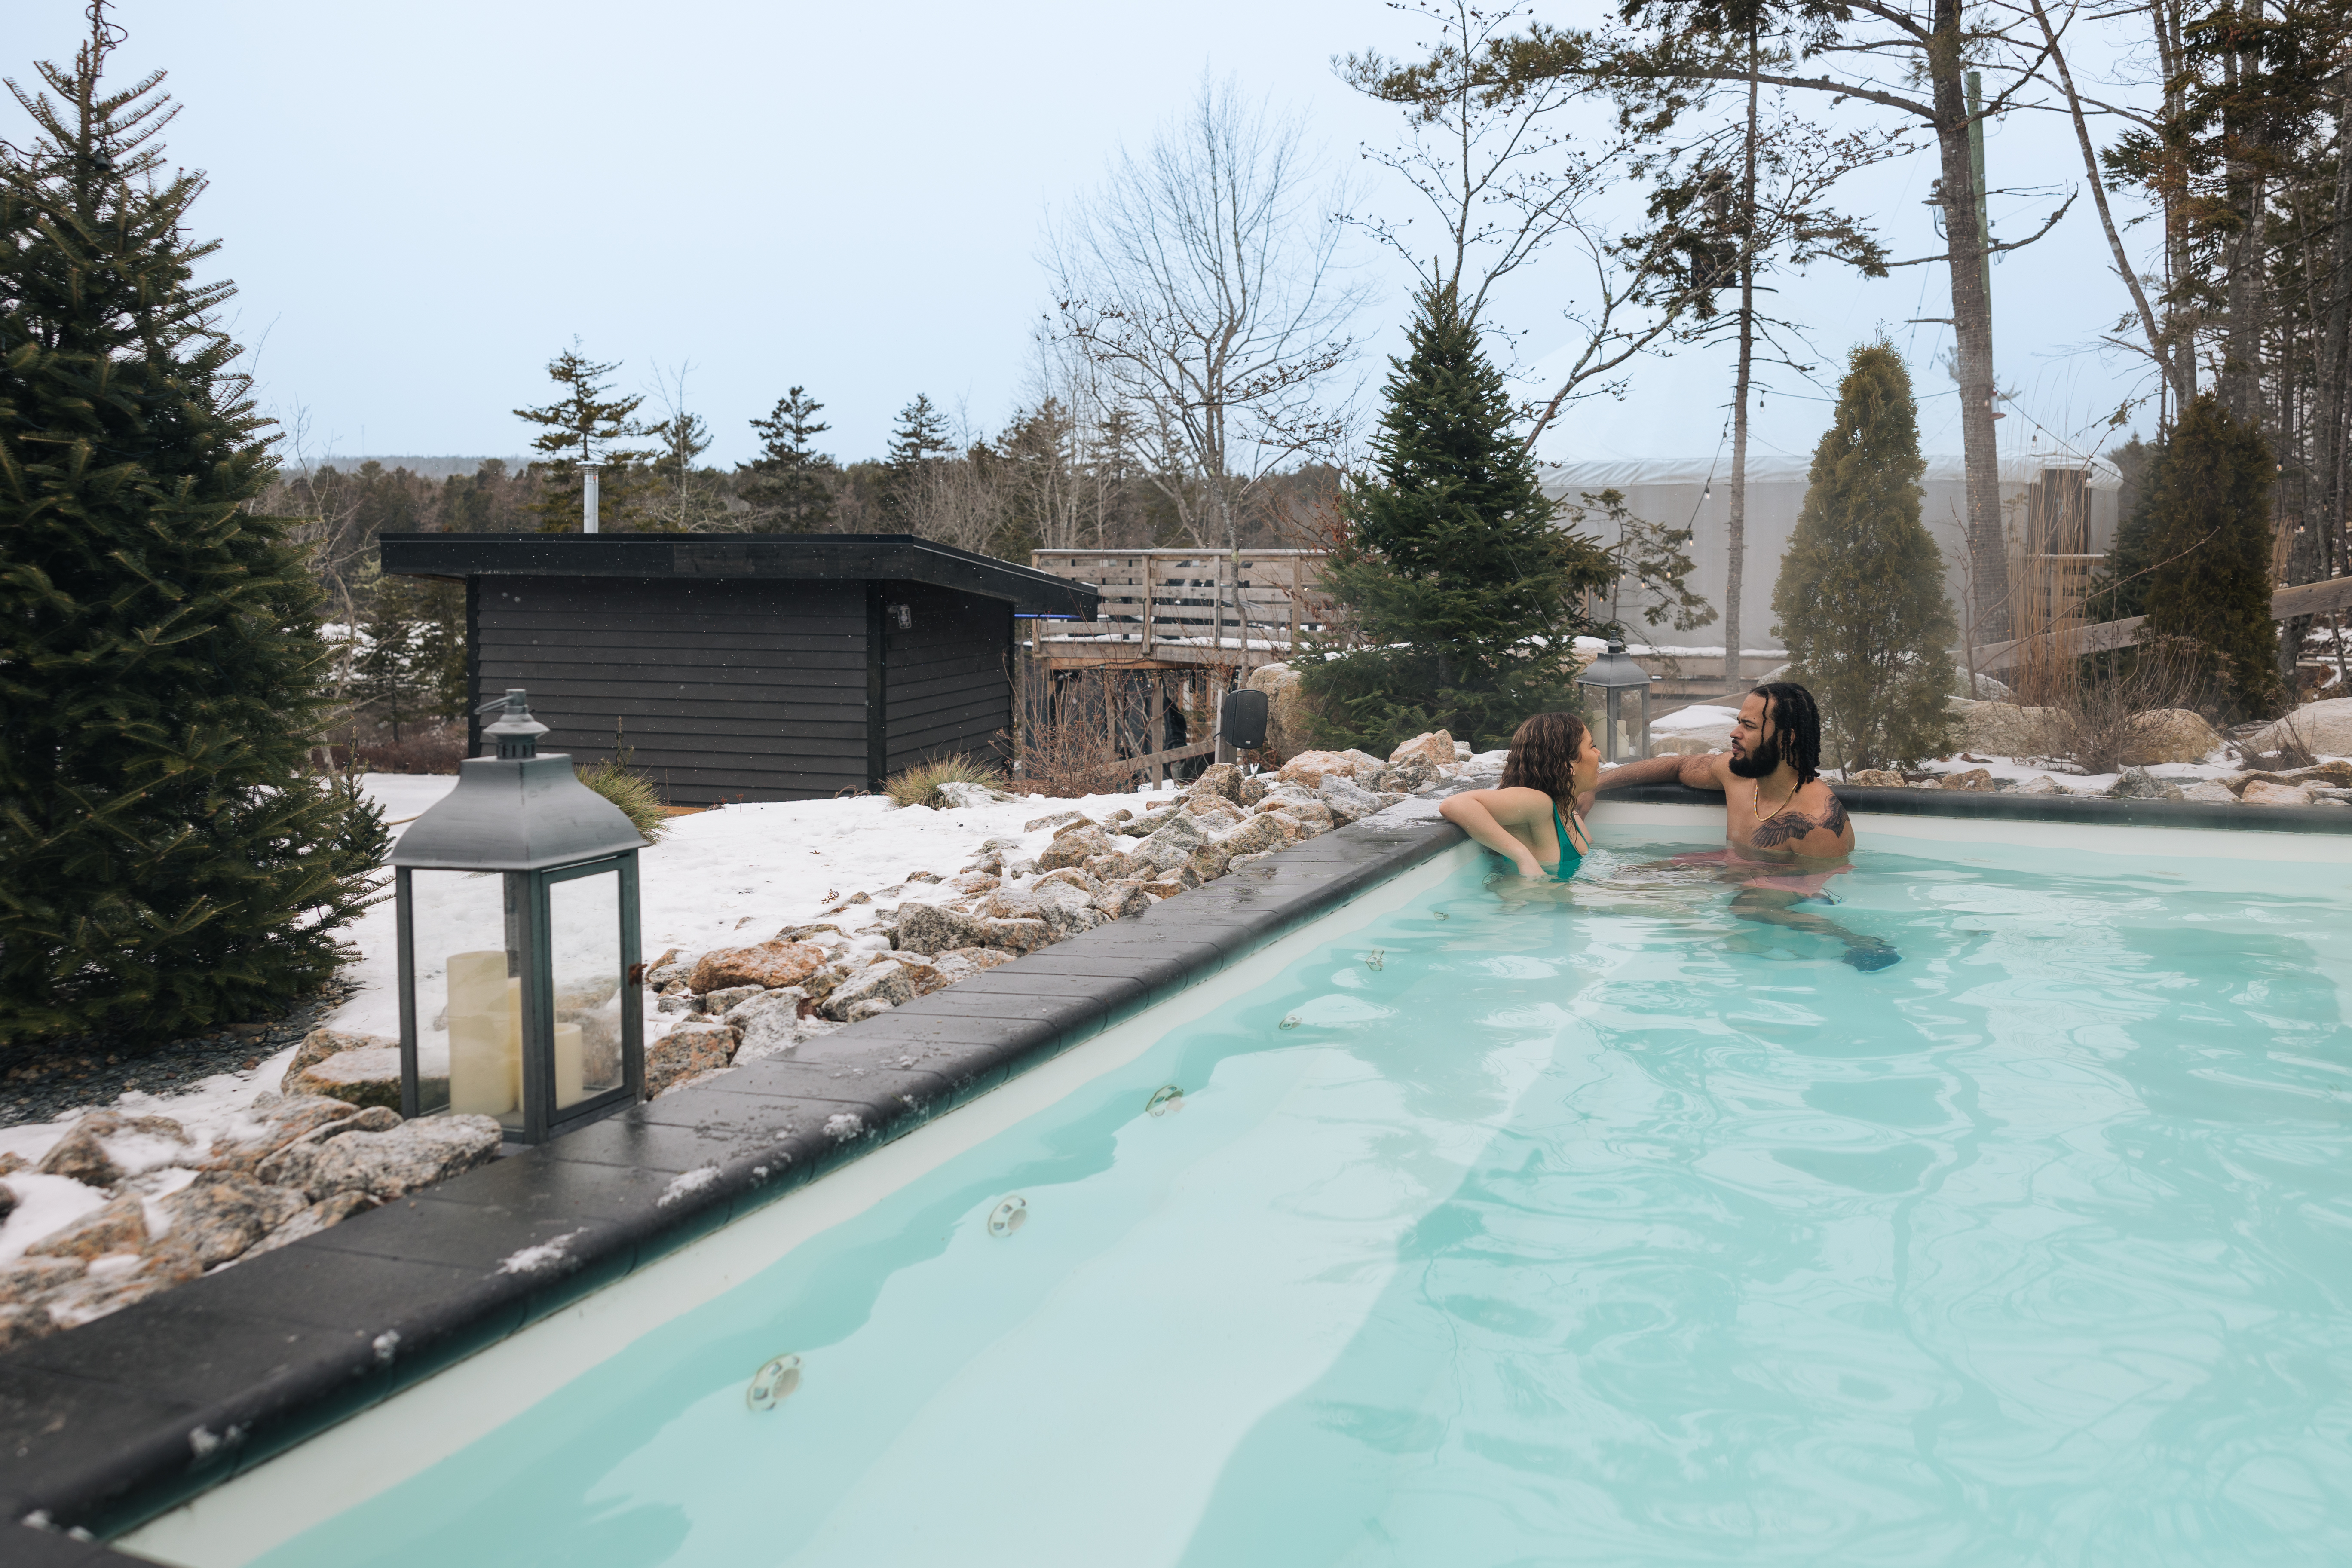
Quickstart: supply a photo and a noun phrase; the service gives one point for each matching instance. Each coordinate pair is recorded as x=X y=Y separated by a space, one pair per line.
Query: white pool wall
x=256 y=1512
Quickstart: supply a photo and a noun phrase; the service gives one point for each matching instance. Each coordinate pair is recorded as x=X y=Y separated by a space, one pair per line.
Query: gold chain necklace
x=1777 y=810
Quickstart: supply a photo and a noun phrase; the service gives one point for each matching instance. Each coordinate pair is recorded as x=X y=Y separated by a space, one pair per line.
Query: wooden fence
x=1186 y=607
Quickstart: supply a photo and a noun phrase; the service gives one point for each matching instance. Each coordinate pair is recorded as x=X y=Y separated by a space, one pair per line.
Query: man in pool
x=1776 y=808
x=1786 y=833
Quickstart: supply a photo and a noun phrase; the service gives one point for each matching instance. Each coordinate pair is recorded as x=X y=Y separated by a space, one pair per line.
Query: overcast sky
x=422 y=204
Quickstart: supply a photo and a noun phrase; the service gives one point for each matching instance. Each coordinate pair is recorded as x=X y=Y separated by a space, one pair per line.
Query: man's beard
x=1762 y=758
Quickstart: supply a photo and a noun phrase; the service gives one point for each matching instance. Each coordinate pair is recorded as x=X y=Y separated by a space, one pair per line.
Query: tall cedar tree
x=170 y=863
x=585 y=424
x=790 y=484
x=2195 y=556
x=1861 y=595
x=1452 y=567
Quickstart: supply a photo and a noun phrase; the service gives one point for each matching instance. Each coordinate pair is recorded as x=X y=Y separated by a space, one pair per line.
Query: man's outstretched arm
x=1698 y=773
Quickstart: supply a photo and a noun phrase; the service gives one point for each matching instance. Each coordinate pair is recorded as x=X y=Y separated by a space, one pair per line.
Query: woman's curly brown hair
x=1544 y=750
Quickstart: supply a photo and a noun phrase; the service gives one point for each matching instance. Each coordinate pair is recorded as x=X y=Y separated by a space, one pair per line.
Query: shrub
x=920 y=785
x=434 y=748
x=2208 y=540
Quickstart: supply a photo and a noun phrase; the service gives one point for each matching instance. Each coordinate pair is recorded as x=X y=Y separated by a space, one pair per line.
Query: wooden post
x=1298 y=592
x=1149 y=571
x=1158 y=739
x=1219 y=684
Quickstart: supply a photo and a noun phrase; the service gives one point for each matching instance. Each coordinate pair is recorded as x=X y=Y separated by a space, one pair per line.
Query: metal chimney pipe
x=588 y=499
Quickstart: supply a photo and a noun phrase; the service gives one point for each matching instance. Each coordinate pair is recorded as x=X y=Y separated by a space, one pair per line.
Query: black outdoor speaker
x=1243 y=719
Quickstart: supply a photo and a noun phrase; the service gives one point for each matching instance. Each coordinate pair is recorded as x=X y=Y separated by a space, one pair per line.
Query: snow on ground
x=1701 y=719
x=722 y=877
x=219 y=1110
x=737 y=874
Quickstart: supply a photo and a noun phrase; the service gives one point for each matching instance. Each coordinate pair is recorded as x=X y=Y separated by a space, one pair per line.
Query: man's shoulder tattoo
x=1789 y=828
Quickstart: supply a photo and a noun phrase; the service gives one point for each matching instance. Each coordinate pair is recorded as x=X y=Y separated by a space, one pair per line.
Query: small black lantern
x=1620 y=691
x=523 y=1001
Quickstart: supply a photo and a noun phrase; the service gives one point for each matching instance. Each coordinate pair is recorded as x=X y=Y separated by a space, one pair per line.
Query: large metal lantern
x=1620 y=703
x=519 y=981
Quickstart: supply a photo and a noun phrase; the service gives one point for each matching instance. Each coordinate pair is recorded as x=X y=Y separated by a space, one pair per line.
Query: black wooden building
x=745 y=667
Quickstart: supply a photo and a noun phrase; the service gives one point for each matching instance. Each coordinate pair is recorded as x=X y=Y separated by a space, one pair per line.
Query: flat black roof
x=824 y=557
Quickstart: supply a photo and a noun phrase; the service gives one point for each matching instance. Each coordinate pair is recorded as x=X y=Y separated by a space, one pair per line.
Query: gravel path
x=41 y=1083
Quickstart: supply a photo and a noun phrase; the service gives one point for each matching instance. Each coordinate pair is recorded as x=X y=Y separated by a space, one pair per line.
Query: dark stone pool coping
x=113 y=1423
x=110 y=1424
x=2088 y=811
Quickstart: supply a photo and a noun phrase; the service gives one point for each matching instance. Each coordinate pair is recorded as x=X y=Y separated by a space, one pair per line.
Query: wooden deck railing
x=1187 y=606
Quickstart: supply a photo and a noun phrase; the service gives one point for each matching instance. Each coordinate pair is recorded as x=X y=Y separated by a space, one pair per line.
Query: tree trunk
x=2181 y=312
x=1987 y=616
x=2246 y=296
x=2329 y=441
x=1736 y=523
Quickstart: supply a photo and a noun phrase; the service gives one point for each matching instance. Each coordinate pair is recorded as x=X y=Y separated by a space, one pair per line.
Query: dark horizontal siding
x=947 y=686
x=722 y=690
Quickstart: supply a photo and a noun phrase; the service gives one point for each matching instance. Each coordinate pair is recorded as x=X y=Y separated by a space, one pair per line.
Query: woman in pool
x=1531 y=819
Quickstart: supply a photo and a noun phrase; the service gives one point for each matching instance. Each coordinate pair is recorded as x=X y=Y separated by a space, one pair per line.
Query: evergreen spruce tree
x=919 y=441
x=1861 y=595
x=790 y=483
x=169 y=864
x=2200 y=544
x=442 y=687
x=388 y=650
x=1458 y=581
x=587 y=423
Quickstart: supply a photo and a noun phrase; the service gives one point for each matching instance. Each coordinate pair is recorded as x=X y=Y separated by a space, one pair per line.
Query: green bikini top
x=1570 y=857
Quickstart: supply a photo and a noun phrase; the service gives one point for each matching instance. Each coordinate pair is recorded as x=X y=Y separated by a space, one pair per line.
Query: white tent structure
x=2062 y=515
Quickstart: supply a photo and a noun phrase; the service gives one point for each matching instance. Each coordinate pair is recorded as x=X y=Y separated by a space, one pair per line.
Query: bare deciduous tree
x=1203 y=282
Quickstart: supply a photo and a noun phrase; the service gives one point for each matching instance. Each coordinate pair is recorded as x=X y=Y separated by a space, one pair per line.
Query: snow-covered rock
x=386 y=1164
x=2323 y=727
x=1289 y=717
x=766 y=964
x=2006 y=729
x=2163 y=735
x=369 y=1075
x=2138 y=783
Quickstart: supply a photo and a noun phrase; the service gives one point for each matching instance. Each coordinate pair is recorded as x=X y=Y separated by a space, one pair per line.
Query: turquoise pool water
x=1616 y=1230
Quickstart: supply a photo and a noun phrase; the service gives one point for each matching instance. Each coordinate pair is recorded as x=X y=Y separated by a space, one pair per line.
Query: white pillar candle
x=485 y=1035
x=571 y=1079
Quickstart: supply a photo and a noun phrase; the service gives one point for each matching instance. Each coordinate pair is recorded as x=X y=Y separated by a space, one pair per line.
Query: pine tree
x=586 y=425
x=1453 y=570
x=791 y=482
x=169 y=864
x=1861 y=595
x=919 y=441
x=2204 y=547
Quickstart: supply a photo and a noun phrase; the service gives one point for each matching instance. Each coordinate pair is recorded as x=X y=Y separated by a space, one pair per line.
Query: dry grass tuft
x=637 y=796
x=920 y=785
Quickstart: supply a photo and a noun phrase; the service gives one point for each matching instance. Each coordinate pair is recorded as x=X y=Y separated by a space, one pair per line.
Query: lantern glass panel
x=584 y=920
x=468 y=994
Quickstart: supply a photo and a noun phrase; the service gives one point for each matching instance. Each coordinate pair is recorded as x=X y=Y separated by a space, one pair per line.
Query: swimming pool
x=1480 y=1229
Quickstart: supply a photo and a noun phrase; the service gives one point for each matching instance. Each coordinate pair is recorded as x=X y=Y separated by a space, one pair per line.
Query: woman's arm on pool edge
x=1472 y=811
